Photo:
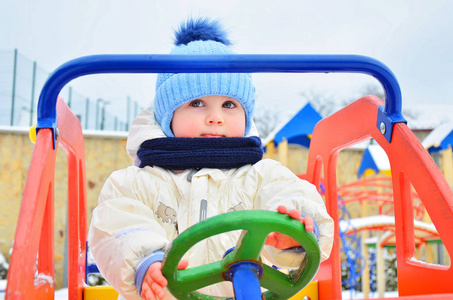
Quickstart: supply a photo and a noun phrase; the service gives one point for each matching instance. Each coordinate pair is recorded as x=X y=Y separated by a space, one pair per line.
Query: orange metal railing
x=34 y=239
x=410 y=163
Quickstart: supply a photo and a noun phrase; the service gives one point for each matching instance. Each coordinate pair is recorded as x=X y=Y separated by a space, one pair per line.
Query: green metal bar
x=32 y=101
x=13 y=96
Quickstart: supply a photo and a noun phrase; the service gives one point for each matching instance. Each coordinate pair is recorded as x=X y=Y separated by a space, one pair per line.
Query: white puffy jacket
x=142 y=210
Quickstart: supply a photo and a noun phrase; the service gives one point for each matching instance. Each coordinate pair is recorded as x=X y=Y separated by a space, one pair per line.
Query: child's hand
x=154 y=281
x=282 y=241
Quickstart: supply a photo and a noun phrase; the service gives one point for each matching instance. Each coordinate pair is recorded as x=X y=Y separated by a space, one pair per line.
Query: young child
x=196 y=155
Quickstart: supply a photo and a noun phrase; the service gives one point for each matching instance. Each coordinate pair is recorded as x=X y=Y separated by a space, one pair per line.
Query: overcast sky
x=413 y=38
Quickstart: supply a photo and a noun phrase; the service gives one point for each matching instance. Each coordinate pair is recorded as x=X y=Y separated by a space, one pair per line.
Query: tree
x=380 y=93
x=324 y=105
x=266 y=120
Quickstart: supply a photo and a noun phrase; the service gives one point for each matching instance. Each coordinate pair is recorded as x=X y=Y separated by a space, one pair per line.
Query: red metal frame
x=35 y=228
x=357 y=122
x=410 y=163
x=364 y=190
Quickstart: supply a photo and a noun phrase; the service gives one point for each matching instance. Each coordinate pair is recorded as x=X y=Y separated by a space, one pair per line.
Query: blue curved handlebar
x=235 y=63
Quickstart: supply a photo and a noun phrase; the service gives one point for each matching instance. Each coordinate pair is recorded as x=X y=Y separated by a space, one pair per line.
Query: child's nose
x=214 y=118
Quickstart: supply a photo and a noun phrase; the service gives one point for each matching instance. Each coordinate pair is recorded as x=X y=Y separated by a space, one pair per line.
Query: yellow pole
x=270 y=149
x=366 y=270
x=447 y=157
x=283 y=152
x=380 y=267
x=429 y=253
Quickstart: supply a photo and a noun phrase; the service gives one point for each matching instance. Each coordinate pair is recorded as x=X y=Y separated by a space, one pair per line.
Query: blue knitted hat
x=201 y=36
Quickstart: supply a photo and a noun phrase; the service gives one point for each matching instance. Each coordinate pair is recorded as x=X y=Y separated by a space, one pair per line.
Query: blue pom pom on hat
x=201 y=36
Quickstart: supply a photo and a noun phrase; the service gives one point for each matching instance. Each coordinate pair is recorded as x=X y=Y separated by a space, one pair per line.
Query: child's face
x=211 y=117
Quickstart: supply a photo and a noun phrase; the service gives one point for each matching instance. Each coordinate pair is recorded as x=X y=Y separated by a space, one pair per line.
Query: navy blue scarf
x=188 y=153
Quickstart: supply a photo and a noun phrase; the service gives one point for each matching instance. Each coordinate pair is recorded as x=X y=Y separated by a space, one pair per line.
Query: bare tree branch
x=266 y=120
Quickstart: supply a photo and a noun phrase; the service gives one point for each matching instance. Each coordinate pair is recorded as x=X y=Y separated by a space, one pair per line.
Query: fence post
x=32 y=103
x=87 y=110
x=135 y=109
x=13 y=96
x=128 y=120
x=70 y=96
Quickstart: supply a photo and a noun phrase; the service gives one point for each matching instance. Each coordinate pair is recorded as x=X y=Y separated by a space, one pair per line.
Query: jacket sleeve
x=280 y=186
x=124 y=229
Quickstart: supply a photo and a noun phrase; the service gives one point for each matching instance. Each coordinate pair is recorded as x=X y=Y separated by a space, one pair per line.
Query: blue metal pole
x=245 y=278
x=235 y=63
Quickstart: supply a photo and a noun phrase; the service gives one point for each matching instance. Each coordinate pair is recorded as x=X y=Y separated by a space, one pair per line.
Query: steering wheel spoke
x=276 y=281
x=197 y=277
x=250 y=244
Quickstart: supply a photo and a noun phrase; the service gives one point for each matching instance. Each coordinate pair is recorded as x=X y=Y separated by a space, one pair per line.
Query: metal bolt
x=382 y=127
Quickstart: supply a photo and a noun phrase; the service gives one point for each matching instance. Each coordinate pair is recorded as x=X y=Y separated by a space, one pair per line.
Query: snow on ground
x=59 y=294
x=63 y=293
x=2 y=289
x=359 y=295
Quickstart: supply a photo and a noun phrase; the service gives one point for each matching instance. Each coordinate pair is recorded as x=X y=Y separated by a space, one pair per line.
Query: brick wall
x=103 y=155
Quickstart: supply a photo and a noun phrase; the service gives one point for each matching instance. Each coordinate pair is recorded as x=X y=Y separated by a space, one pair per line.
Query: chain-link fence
x=21 y=81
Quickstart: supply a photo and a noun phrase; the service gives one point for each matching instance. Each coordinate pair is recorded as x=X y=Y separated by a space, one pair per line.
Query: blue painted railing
x=235 y=63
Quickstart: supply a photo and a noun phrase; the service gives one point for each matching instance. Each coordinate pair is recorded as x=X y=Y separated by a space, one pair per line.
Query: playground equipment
x=374 y=160
x=351 y=247
x=297 y=131
x=364 y=119
x=377 y=191
x=440 y=141
x=353 y=260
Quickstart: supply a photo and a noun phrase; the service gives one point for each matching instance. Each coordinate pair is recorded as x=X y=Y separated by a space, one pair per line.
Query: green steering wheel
x=256 y=225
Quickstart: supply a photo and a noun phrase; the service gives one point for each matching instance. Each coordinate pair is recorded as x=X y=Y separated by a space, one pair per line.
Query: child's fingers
x=158 y=290
x=280 y=241
x=158 y=278
x=151 y=290
x=282 y=209
x=295 y=214
x=183 y=264
x=147 y=293
x=271 y=239
x=309 y=223
x=156 y=275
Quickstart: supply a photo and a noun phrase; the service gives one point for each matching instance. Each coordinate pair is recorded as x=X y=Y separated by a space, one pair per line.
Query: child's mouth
x=211 y=136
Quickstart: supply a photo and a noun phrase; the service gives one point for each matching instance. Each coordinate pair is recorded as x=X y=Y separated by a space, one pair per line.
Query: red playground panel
x=410 y=164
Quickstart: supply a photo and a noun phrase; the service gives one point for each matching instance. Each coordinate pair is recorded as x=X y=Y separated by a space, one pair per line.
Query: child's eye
x=196 y=103
x=229 y=104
